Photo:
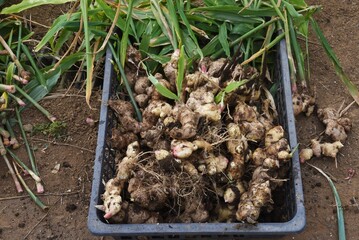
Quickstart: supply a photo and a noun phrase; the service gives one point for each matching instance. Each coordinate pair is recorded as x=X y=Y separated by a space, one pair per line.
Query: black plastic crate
x=293 y=212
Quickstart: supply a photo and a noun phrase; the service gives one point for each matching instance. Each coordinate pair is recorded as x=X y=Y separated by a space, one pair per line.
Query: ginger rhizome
x=336 y=129
x=195 y=159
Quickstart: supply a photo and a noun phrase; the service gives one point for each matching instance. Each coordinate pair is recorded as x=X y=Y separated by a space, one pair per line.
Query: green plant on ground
x=212 y=28
x=54 y=129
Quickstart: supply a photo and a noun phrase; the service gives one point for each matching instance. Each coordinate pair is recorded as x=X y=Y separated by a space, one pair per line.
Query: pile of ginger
x=195 y=160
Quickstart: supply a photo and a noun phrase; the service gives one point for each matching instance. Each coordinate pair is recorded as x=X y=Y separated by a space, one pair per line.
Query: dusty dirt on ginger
x=67 y=216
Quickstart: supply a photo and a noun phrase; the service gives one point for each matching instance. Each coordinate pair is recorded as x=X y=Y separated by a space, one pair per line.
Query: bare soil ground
x=68 y=191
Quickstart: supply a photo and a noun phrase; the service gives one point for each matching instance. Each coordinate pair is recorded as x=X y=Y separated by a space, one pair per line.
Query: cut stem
x=13 y=175
x=13 y=141
x=22 y=72
x=3 y=154
x=39 y=186
x=18 y=100
x=5 y=135
x=32 y=195
x=7 y=88
x=17 y=159
x=16 y=77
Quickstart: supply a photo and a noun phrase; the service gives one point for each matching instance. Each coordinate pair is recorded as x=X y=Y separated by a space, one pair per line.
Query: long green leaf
x=180 y=9
x=162 y=22
x=39 y=75
x=26 y=4
x=162 y=89
x=235 y=9
x=173 y=20
x=181 y=72
x=292 y=67
x=297 y=52
x=229 y=88
x=127 y=85
x=10 y=73
x=31 y=194
x=57 y=25
x=353 y=90
x=110 y=13
x=223 y=39
x=248 y=34
x=125 y=33
x=340 y=215
x=89 y=63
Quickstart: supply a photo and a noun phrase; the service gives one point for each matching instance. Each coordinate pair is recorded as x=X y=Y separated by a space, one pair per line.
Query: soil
x=68 y=190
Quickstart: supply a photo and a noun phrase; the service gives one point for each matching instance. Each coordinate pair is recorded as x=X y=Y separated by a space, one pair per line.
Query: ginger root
x=113 y=188
x=188 y=121
x=151 y=197
x=216 y=164
x=202 y=102
x=320 y=149
x=237 y=145
x=194 y=211
x=337 y=126
x=125 y=113
x=259 y=195
x=303 y=103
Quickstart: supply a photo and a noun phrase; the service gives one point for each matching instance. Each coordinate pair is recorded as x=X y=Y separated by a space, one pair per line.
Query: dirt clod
x=71 y=207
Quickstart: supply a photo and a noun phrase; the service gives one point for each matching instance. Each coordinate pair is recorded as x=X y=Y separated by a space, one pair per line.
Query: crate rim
x=294 y=225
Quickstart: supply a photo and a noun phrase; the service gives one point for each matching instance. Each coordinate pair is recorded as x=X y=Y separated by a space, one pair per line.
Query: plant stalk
x=3 y=154
x=264 y=49
x=17 y=159
x=32 y=195
x=40 y=187
x=22 y=72
x=13 y=141
x=51 y=117
x=127 y=85
x=246 y=35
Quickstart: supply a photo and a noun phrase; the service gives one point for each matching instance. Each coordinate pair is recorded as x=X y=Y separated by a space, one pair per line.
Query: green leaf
x=89 y=53
x=110 y=13
x=125 y=33
x=173 y=20
x=230 y=88
x=162 y=22
x=38 y=93
x=61 y=40
x=127 y=85
x=162 y=89
x=57 y=25
x=298 y=54
x=353 y=90
x=67 y=63
x=181 y=71
x=190 y=46
x=26 y=4
x=10 y=72
x=39 y=76
x=233 y=10
x=298 y=3
x=338 y=203
x=223 y=39
x=291 y=10
x=158 y=58
x=180 y=8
